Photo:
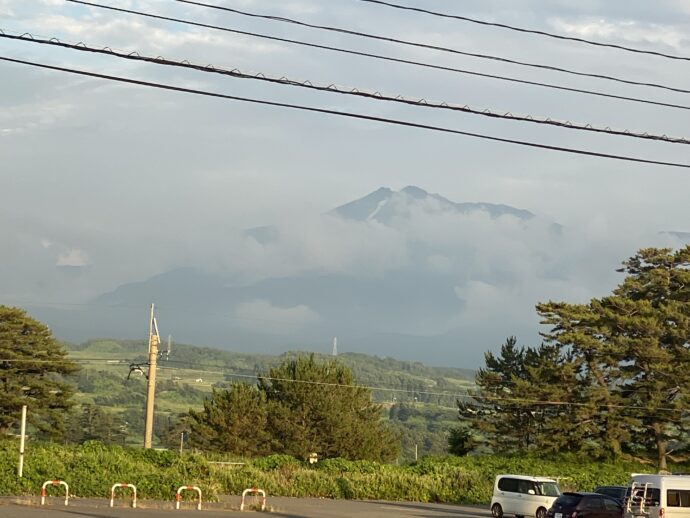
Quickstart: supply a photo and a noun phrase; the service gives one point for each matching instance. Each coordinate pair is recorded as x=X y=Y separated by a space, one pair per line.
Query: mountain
x=405 y=274
x=384 y=205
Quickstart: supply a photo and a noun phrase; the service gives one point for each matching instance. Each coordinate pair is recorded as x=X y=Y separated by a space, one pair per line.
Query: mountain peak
x=376 y=206
x=415 y=192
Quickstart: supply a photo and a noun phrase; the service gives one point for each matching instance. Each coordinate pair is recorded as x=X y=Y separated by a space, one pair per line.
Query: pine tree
x=233 y=420
x=32 y=369
x=316 y=407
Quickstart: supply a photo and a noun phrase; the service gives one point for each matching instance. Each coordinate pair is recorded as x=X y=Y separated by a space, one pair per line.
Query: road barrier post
x=54 y=483
x=254 y=491
x=188 y=488
x=134 y=493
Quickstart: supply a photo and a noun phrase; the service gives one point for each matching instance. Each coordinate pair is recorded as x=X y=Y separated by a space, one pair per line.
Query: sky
x=104 y=184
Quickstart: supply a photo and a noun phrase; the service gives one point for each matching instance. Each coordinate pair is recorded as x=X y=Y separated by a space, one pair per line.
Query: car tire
x=541 y=513
x=496 y=511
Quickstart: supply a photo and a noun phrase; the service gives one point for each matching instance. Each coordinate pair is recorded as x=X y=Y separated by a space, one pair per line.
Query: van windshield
x=548 y=488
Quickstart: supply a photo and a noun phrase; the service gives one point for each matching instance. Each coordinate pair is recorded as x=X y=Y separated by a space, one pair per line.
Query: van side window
x=508 y=484
x=678 y=498
x=525 y=486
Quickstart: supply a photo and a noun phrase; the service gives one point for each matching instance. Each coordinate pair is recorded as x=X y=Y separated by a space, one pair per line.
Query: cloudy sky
x=103 y=184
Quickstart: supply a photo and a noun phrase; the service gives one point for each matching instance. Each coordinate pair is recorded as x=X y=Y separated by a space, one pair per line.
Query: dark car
x=617 y=492
x=585 y=505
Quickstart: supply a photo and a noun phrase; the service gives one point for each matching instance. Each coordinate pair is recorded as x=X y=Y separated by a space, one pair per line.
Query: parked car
x=585 y=505
x=617 y=492
x=522 y=496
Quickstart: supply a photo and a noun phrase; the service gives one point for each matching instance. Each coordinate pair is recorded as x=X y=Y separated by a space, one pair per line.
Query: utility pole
x=154 y=340
x=20 y=470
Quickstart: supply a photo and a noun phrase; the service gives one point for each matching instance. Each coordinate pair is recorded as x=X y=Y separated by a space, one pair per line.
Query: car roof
x=527 y=477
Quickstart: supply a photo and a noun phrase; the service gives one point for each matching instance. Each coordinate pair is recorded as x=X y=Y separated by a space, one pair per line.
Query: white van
x=523 y=496
x=658 y=496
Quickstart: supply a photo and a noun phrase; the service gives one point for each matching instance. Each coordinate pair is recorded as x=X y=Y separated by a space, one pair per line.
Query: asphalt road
x=279 y=507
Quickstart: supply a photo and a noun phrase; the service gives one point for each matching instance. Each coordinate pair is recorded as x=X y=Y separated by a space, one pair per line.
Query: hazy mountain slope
x=402 y=273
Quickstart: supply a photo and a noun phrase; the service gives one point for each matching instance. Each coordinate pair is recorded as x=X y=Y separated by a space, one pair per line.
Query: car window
x=548 y=489
x=651 y=497
x=593 y=502
x=567 y=501
x=611 y=505
x=525 y=486
x=508 y=484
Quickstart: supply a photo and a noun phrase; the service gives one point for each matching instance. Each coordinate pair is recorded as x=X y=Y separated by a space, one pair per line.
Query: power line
x=333 y=88
x=428 y=46
x=350 y=115
x=387 y=58
x=527 y=31
x=463 y=395
x=479 y=397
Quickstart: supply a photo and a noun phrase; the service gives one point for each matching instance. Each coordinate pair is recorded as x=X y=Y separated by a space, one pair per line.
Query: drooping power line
x=386 y=58
x=528 y=31
x=332 y=88
x=350 y=115
x=429 y=46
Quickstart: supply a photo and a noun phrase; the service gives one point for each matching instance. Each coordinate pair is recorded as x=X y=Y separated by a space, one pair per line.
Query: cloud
x=262 y=316
x=623 y=31
x=74 y=257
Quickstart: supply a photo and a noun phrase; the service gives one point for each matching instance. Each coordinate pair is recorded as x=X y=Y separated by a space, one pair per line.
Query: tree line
x=611 y=377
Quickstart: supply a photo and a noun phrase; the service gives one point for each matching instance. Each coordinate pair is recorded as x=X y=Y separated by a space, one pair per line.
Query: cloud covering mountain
x=402 y=273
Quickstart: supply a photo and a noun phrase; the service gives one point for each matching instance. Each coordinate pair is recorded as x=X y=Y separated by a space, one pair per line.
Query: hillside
x=419 y=400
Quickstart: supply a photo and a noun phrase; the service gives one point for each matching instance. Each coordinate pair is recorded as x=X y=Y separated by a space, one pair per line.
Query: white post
x=181 y=442
x=415 y=453
x=20 y=471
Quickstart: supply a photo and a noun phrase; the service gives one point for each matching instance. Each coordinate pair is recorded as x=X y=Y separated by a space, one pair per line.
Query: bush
x=92 y=468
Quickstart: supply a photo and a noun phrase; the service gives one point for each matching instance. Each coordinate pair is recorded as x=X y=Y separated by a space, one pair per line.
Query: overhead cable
x=333 y=88
x=428 y=46
x=465 y=395
x=385 y=58
x=527 y=31
x=350 y=115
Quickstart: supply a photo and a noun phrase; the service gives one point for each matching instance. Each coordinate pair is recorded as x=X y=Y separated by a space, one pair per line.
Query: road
x=279 y=507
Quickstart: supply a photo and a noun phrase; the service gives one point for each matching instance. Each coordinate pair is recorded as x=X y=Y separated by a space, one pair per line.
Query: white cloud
x=625 y=31
x=74 y=257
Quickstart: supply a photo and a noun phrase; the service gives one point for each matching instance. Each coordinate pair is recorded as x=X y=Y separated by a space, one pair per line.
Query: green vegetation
x=611 y=378
x=424 y=395
x=301 y=406
x=91 y=468
x=32 y=369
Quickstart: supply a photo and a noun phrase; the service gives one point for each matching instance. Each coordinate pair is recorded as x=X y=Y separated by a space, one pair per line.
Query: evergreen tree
x=32 y=367
x=300 y=407
x=650 y=319
x=504 y=409
x=233 y=420
x=316 y=407
x=592 y=396
x=632 y=352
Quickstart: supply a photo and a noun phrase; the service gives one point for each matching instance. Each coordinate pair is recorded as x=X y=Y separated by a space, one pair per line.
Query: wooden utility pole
x=154 y=339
